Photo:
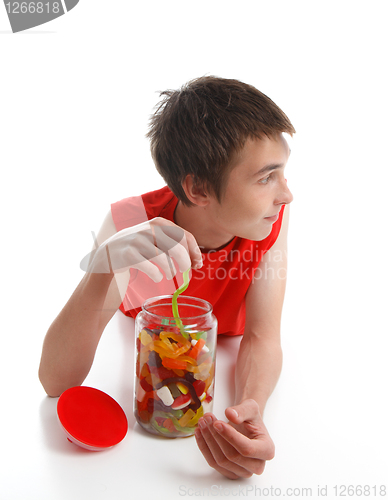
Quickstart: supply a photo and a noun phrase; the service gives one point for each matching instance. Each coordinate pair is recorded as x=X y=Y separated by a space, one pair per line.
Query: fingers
x=171 y=242
x=178 y=243
x=259 y=447
x=151 y=247
x=165 y=244
x=194 y=251
x=246 y=416
x=248 y=410
x=223 y=456
x=202 y=438
x=230 y=452
x=150 y=270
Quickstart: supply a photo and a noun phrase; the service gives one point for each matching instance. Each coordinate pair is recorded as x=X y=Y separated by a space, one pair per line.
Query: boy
x=219 y=146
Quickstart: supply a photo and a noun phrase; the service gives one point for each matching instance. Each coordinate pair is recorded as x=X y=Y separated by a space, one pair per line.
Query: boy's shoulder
x=158 y=202
x=134 y=210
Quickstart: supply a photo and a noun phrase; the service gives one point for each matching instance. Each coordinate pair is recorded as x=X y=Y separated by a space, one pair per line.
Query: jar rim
x=200 y=302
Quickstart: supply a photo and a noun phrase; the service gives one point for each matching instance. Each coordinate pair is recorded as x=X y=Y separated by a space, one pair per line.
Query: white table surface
x=328 y=422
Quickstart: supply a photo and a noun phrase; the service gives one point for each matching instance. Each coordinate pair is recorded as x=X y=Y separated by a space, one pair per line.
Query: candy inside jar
x=175 y=364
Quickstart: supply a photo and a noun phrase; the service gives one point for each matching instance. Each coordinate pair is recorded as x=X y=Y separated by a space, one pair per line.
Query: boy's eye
x=266 y=179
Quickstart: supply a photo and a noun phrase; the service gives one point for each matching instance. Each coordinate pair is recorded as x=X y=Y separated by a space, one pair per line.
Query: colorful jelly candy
x=175 y=381
x=174 y=374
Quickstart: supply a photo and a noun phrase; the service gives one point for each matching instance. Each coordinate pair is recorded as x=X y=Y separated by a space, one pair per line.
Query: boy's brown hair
x=198 y=129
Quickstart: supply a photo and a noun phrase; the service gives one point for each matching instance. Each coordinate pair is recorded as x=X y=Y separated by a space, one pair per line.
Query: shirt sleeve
x=128 y=212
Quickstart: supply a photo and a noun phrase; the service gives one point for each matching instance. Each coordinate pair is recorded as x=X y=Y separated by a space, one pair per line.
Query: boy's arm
x=240 y=448
x=71 y=341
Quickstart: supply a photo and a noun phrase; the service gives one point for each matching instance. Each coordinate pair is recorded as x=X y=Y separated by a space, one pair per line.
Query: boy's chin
x=258 y=234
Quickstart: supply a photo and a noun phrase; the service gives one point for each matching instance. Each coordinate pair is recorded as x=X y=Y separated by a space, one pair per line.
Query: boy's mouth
x=272 y=218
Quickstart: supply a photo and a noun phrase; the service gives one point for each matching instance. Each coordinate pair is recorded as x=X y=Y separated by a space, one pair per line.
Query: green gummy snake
x=177 y=292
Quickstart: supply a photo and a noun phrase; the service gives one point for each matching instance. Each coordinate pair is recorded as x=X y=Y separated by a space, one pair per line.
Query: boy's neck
x=196 y=221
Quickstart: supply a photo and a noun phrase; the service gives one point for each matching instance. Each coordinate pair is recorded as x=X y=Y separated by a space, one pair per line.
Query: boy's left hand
x=237 y=449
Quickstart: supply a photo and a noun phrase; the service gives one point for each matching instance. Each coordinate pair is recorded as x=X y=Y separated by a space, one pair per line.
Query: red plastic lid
x=91 y=418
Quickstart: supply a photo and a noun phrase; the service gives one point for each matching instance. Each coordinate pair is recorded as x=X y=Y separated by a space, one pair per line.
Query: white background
x=76 y=95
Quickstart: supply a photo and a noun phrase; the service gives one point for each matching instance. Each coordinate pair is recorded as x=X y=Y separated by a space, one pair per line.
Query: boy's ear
x=195 y=192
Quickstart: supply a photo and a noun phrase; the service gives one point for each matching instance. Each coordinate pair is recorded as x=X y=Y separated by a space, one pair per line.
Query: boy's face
x=255 y=192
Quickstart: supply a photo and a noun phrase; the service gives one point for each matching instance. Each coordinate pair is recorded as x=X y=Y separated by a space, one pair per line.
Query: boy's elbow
x=52 y=390
x=55 y=383
x=52 y=394
x=49 y=390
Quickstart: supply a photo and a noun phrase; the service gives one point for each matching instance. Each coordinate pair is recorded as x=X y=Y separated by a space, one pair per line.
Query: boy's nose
x=288 y=196
x=285 y=196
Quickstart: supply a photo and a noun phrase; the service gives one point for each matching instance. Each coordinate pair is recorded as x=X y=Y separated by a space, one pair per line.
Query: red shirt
x=224 y=278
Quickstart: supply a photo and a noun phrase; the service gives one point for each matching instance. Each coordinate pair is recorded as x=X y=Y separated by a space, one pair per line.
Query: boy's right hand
x=147 y=247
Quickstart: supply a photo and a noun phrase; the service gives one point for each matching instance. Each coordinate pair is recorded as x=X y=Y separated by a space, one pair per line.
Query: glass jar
x=175 y=365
